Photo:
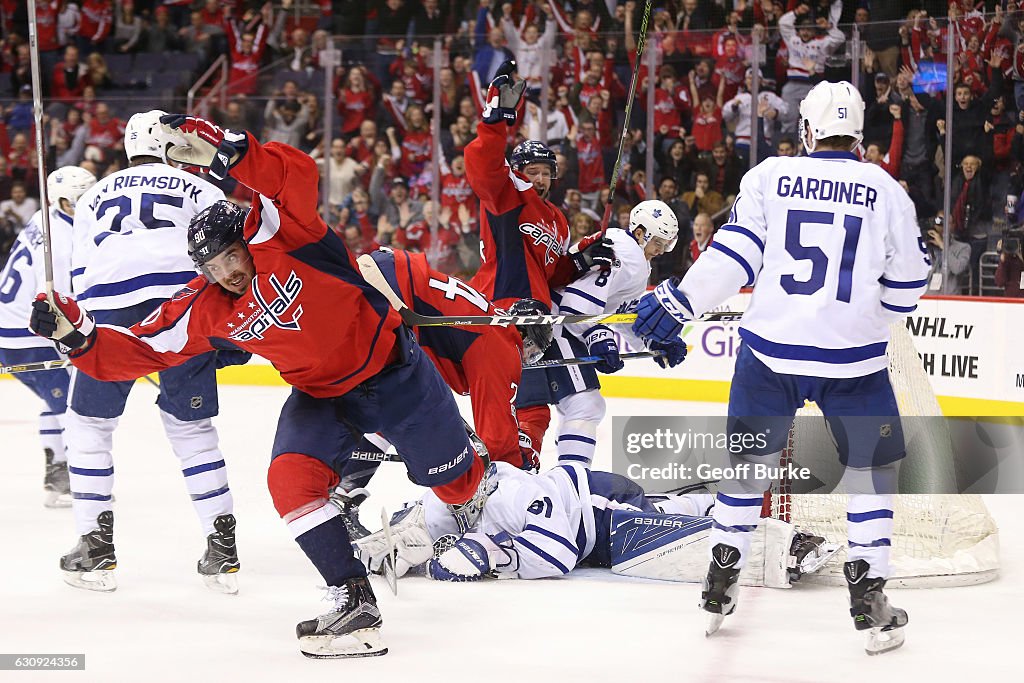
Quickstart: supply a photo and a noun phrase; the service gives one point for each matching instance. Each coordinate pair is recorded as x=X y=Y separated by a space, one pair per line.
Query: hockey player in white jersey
x=832 y=248
x=129 y=255
x=20 y=279
x=545 y=525
x=574 y=389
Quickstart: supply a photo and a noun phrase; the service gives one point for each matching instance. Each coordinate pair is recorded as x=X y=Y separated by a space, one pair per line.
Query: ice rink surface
x=162 y=624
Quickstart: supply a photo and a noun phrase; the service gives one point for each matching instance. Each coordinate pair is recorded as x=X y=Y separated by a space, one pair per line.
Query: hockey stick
x=34 y=367
x=37 y=112
x=587 y=360
x=616 y=169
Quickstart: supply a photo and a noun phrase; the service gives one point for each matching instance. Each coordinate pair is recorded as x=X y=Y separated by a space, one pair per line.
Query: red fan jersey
x=308 y=310
x=484 y=362
x=523 y=238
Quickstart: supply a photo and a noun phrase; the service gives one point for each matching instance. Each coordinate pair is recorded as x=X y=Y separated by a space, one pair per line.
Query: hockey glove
x=672 y=353
x=531 y=458
x=660 y=315
x=593 y=250
x=208 y=145
x=63 y=321
x=503 y=95
x=466 y=560
x=601 y=343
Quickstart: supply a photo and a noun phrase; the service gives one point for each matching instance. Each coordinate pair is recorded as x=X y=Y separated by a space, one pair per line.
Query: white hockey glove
x=209 y=146
x=476 y=556
x=412 y=540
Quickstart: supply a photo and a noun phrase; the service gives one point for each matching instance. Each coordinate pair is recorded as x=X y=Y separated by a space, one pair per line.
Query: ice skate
x=870 y=609
x=219 y=564
x=90 y=563
x=350 y=629
x=56 y=483
x=348 y=502
x=467 y=514
x=720 y=587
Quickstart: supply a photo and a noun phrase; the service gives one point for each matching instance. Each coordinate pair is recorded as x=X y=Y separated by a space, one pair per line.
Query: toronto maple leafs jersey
x=130 y=235
x=617 y=291
x=550 y=517
x=832 y=248
x=24 y=276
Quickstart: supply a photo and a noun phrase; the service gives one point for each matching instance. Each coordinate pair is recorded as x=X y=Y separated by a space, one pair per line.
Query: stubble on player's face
x=540 y=176
x=233 y=269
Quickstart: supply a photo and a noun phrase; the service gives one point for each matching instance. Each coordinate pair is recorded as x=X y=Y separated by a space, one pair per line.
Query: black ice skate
x=351 y=629
x=870 y=609
x=90 y=563
x=721 y=587
x=56 y=483
x=219 y=564
x=348 y=502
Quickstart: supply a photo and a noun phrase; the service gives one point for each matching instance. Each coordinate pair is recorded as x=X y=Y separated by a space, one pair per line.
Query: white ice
x=162 y=624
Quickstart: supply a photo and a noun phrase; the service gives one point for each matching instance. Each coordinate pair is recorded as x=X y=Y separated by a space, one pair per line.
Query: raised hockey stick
x=37 y=112
x=640 y=43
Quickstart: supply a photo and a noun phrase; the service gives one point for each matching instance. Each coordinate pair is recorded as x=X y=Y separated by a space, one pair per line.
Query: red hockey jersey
x=308 y=311
x=484 y=362
x=523 y=238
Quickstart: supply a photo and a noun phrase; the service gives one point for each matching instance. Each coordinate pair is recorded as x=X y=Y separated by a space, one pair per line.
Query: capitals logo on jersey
x=547 y=235
x=268 y=314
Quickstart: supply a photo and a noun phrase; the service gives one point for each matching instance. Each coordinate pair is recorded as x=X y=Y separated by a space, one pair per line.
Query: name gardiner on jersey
x=157 y=182
x=826 y=190
x=270 y=313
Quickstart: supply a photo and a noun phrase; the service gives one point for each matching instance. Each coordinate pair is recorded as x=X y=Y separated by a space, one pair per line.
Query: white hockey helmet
x=143 y=136
x=68 y=182
x=831 y=109
x=656 y=219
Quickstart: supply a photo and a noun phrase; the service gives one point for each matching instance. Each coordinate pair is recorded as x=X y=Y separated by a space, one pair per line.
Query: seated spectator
x=105 y=131
x=95 y=25
x=98 y=73
x=6 y=181
x=702 y=199
x=1011 y=267
x=703 y=235
x=19 y=114
x=197 y=37
x=69 y=77
x=19 y=208
x=127 y=28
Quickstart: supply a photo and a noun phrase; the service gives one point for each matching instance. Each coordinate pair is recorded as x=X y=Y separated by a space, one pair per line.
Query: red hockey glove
x=531 y=458
x=63 y=321
x=207 y=145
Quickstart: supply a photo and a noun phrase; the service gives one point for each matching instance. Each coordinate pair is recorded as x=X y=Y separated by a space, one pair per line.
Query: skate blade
x=55 y=499
x=221 y=583
x=714 y=623
x=364 y=643
x=101 y=581
x=880 y=641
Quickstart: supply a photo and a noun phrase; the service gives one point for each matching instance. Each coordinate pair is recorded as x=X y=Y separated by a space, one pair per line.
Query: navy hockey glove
x=660 y=315
x=601 y=342
x=503 y=95
x=466 y=560
x=593 y=250
x=63 y=321
x=673 y=353
x=207 y=145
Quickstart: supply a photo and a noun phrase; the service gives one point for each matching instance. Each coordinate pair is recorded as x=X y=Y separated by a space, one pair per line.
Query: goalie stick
x=371 y=273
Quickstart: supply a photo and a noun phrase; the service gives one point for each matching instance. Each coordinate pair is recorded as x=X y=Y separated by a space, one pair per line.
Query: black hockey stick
x=616 y=169
x=587 y=360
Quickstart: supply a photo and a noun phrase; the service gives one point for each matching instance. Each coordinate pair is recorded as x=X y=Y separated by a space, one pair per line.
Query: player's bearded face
x=233 y=269
x=540 y=176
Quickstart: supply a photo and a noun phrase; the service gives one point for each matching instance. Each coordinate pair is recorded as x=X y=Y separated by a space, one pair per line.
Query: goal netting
x=938 y=539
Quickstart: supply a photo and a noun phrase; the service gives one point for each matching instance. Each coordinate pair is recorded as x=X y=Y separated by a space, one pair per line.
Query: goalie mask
x=213 y=230
x=829 y=110
x=536 y=338
x=656 y=219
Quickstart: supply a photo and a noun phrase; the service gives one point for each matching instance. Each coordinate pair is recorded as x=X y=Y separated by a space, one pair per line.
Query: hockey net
x=938 y=540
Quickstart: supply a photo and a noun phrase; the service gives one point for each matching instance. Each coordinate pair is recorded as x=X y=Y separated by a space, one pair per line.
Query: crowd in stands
x=105 y=59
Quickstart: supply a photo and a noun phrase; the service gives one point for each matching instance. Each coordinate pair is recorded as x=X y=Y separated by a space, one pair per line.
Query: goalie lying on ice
x=539 y=526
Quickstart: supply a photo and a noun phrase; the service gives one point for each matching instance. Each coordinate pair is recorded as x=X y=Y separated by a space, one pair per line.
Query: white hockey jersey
x=24 y=276
x=808 y=59
x=617 y=291
x=550 y=517
x=738 y=109
x=834 y=248
x=130 y=235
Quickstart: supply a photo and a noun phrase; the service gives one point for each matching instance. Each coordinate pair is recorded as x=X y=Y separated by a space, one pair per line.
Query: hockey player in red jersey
x=278 y=282
x=524 y=238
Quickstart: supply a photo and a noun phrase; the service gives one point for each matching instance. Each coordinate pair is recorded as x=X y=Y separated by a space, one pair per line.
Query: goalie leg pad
x=659 y=546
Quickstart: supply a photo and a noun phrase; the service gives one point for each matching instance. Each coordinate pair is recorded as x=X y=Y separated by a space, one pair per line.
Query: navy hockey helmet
x=533 y=152
x=213 y=230
x=536 y=338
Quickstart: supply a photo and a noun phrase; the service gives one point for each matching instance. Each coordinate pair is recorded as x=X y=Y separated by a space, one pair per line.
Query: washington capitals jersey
x=550 y=517
x=130 y=235
x=616 y=291
x=833 y=250
x=484 y=361
x=307 y=311
x=523 y=238
x=24 y=276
